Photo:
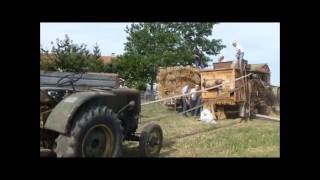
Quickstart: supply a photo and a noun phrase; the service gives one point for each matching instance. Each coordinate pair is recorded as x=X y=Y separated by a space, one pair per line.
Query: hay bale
x=171 y=79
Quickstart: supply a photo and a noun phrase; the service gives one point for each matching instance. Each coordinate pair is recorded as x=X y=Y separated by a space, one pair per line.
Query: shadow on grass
x=131 y=149
x=213 y=127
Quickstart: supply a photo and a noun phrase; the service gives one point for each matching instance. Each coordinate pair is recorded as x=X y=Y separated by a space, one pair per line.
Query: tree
x=151 y=45
x=196 y=35
x=134 y=71
x=95 y=64
x=96 y=51
x=68 y=56
x=46 y=60
x=110 y=68
x=71 y=57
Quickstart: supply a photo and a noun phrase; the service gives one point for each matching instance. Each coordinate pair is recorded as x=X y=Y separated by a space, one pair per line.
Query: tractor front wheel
x=151 y=140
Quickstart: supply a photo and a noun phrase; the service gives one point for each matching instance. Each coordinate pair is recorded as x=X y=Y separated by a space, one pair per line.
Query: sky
x=260 y=41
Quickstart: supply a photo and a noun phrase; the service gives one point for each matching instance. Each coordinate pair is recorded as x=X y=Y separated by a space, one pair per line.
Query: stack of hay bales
x=171 y=79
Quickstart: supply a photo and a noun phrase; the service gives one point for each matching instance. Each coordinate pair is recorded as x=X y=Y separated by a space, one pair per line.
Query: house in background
x=108 y=59
x=49 y=58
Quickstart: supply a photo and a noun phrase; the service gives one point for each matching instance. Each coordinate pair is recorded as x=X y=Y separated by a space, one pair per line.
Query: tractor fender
x=61 y=116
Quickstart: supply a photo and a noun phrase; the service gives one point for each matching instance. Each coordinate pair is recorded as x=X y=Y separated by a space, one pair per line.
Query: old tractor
x=88 y=115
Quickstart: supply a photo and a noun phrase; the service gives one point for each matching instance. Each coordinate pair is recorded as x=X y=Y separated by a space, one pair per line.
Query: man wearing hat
x=198 y=58
x=239 y=49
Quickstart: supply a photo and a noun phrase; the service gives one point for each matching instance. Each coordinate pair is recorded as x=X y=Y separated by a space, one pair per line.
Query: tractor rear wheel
x=96 y=133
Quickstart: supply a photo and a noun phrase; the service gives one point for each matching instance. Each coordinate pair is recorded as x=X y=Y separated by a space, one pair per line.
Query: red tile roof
x=51 y=57
x=106 y=59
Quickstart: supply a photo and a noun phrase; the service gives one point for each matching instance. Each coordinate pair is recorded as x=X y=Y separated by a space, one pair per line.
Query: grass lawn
x=187 y=137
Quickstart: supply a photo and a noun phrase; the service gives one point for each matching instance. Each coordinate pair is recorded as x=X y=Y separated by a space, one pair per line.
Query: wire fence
x=148 y=96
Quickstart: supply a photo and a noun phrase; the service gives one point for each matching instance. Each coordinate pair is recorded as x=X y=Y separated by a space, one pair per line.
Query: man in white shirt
x=221 y=59
x=193 y=94
x=185 y=90
x=239 y=49
x=195 y=100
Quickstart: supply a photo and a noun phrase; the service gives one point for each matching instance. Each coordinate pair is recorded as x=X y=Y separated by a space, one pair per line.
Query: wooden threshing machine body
x=253 y=90
x=230 y=93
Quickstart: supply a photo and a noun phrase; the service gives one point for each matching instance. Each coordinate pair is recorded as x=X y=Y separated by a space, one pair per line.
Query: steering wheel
x=71 y=80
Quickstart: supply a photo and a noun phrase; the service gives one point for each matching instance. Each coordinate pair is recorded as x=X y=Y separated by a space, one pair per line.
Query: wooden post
x=221 y=113
x=213 y=112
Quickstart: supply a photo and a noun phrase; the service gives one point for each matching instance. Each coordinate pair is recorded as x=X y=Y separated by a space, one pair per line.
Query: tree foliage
x=94 y=64
x=47 y=62
x=153 y=45
x=68 y=56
